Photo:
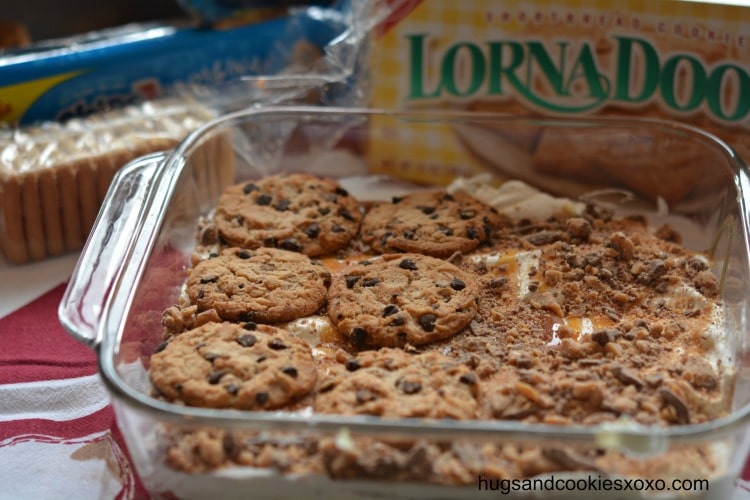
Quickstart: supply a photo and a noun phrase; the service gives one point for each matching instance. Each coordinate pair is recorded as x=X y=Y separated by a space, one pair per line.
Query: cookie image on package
x=433 y=223
x=393 y=383
x=228 y=365
x=266 y=285
x=296 y=212
x=399 y=299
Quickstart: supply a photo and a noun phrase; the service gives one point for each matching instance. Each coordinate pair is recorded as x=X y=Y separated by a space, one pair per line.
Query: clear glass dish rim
x=628 y=434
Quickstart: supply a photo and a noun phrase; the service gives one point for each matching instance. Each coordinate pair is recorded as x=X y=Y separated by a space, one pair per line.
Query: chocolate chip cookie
x=296 y=212
x=228 y=365
x=433 y=223
x=393 y=383
x=399 y=299
x=267 y=285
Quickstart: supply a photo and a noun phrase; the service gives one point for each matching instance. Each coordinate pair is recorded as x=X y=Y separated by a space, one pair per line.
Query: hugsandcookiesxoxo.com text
x=589 y=483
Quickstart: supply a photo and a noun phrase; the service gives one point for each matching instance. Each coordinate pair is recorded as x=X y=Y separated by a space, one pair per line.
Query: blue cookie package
x=58 y=80
x=215 y=11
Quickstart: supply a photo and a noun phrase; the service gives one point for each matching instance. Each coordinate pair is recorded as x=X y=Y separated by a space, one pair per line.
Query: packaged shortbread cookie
x=674 y=60
x=73 y=112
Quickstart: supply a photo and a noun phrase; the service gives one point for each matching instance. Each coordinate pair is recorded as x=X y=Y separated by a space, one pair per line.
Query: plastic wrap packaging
x=55 y=176
x=87 y=106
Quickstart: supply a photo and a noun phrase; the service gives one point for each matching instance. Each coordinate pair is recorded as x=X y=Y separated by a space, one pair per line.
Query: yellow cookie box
x=676 y=60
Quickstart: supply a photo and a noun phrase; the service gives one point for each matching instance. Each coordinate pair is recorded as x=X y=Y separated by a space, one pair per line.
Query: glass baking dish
x=134 y=263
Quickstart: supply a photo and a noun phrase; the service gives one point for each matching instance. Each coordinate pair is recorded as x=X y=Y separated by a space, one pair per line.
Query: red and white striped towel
x=58 y=437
